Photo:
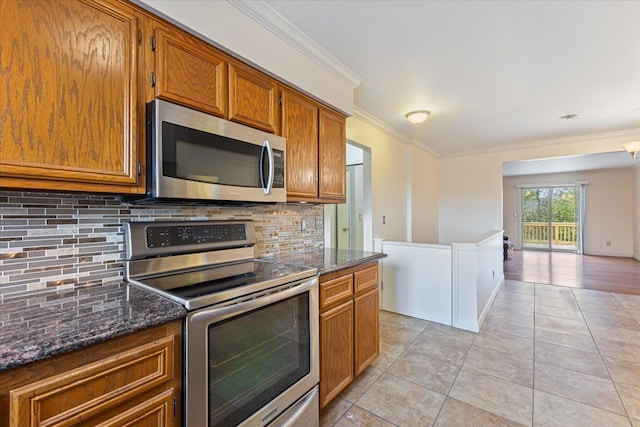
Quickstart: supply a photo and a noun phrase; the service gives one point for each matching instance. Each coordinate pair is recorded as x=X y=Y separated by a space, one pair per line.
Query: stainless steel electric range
x=251 y=333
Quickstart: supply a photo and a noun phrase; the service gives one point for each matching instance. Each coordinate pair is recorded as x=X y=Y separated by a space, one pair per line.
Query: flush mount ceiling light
x=418 y=116
x=632 y=148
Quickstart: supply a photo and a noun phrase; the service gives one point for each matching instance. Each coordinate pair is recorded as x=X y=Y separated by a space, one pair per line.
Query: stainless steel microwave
x=193 y=156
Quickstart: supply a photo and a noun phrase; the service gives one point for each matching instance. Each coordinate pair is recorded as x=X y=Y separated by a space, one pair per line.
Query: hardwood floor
x=611 y=274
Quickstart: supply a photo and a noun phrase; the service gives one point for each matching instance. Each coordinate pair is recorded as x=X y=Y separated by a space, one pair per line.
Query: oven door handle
x=217 y=314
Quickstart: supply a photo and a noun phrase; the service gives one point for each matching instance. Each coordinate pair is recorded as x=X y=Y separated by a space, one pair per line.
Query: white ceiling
x=493 y=73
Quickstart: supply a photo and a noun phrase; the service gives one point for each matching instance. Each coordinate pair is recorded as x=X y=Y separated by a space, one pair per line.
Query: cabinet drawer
x=157 y=411
x=336 y=290
x=366 y=278
x=70 y=397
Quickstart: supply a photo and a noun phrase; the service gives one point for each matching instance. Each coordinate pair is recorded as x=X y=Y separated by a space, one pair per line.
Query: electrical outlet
x=303 y=224
x=384 y=219
x=319 y=222
x=608 y=242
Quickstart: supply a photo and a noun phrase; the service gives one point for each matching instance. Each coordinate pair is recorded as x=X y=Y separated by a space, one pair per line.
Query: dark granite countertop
x=328 y=260
x=45 y=323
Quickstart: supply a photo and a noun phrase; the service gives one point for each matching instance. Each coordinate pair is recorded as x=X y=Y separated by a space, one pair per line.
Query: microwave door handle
x=269 y=186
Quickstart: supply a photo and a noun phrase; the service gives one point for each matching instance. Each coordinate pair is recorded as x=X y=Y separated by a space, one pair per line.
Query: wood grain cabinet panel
x=154 y=412
x=336 y=351
x=366 y=279
x=69 y=90
x=333 y=156
x=316 y=150
x=300 y=128
x=366 y=330
x=190 y=72
x=349 y=332
x=86 y=391
x=335 y=290
x=133 y=380
x=253 y=98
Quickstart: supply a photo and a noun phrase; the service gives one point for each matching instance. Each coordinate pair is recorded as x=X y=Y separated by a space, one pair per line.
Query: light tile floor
x=546 y=356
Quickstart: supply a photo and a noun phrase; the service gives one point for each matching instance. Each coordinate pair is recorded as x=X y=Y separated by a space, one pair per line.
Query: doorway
x=349 y=215
x=552 y=218
x=349 y=225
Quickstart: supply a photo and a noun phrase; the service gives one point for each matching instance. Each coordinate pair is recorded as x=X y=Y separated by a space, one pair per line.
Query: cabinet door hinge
x=153 y=79
x=152 y=41
x=139 y=168
x=175 y=407
x=140 y=37
x=280 y=100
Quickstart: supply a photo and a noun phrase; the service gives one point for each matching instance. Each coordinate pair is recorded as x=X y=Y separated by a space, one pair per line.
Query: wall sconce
x=632 y=148
x=418 y=116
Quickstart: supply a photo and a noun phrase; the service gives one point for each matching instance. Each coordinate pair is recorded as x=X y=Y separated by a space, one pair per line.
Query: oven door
x=250 y=360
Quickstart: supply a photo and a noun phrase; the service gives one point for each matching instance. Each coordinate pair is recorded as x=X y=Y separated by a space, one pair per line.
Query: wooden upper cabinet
x=300 y=128
x=316 y=150
x=69 y=90
x=333 y=156
x=189 y=71
x=253 y=98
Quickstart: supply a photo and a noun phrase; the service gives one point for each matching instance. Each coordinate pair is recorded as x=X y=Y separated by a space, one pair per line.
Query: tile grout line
x=606 y=365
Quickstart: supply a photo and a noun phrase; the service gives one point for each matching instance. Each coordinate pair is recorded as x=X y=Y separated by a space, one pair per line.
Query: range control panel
x=194 y=234
x=152 y=239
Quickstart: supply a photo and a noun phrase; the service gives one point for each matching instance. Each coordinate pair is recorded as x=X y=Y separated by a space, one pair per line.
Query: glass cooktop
x=213 y=285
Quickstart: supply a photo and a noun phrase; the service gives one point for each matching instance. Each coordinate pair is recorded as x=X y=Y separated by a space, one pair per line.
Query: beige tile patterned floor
x=546 y=356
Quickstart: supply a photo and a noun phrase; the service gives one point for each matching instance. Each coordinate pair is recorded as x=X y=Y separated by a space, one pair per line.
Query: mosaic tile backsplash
x=58 y=241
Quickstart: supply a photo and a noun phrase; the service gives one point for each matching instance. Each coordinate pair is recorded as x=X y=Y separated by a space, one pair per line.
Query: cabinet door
x=94 y=389
x=68 y=84
x=336 y=351
x=190 y=72
x=366 y=330
x=300 y=127
x=333 y=156
x=253 y=98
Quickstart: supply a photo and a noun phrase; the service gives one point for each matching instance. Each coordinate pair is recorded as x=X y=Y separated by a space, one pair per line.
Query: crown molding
x=372 y=120
x=289 y=33
x=624 y=134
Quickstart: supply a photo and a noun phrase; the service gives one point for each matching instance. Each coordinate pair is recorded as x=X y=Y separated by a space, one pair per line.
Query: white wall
x=231 y=30
x=424 y=196
x=404 y=194
x=389 y=179
x=470 y=187
x=608 y=212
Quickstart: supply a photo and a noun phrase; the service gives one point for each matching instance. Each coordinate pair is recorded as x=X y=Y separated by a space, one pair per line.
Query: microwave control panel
x=278 y=169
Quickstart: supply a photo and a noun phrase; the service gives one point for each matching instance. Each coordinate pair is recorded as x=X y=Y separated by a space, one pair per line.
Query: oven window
x=256 y=356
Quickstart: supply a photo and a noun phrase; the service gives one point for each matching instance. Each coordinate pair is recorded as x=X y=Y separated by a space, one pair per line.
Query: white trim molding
x=260 y=12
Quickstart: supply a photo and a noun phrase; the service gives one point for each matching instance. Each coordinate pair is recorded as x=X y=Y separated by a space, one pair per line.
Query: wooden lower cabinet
x=366 y=330
x=336 y=351
x=349 y=327
x=134 y=380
